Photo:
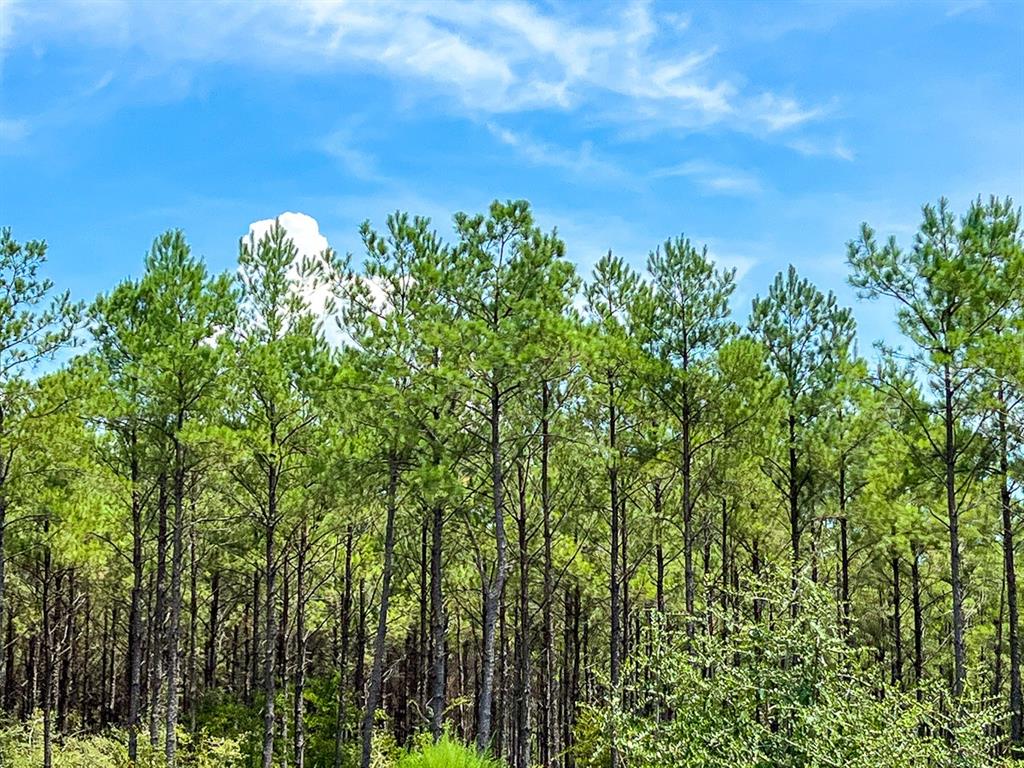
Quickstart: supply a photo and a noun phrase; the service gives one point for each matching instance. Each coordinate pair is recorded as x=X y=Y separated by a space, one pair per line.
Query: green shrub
x=790 y=694
x=446 y=753
x=21 y=746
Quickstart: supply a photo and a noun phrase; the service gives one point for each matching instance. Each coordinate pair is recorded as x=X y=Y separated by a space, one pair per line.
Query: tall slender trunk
x=897 y=624
x=9 y=679
x=659 y=551
x=690 y=583
x=724 y=597
x=299 y=706
x=252 y=643
x=915 y=587
x=47 y=650
x=156 y=675
x=494 y=590
x=174 y=624
x=959 y=648
x=269 y=615
x=377 y=671
x=135 y=611
x=346 y=621
x=613 y=488
x=624 y=541
x=191 y=687
x=523 y=673
x=437 y=624
x=1016 y=701
x=547 y=731
x=794 y=512
x=844 y=549
x=5 y=672
x=212 y=642
x=359 y=674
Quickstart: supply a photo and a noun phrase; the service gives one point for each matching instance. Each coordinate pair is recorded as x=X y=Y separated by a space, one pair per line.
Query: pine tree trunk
x=269 y=619
x=915 y=579
x=690 y=585
x=959 y=648
x=174 y=625
x=897 y=633
x=47 y=651
x=299 y=706
x=9 y=679
x=193 y=620
x=613 y=486
x=213 y=639
x=659 y=551
x=135 y=610
x=523 y=673
x=156 y=675
x=1016 y=701
x=794 y=514
x=377 y=671
x=437 y=625
x=346 y=620
x=624 y=538
x=547 y=730
x=494 y=590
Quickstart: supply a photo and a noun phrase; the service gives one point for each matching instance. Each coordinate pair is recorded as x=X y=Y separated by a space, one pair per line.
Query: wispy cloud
x=960 y=7
x=13 y=130
x=484 y=59
x=579 y=162
x=356 y=162
x=818 y=148
x=714 y=178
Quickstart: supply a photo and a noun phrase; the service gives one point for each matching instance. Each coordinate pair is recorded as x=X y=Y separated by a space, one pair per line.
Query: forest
x=451 y=502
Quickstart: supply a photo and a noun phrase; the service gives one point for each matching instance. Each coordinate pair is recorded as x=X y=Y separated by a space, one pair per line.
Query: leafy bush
x=21 y=746
x=790 y=694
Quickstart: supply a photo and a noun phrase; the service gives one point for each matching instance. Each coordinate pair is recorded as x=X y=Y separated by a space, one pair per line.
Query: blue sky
x=768 y=131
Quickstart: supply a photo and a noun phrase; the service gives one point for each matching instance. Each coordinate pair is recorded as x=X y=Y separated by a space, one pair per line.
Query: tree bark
x=47 y=650
x=156 y=655
x=959 y=648
x=299 y=707
x=523 y=673
x=437 y=625
x=844 y=550
x=1016 y=702
x=915 y=579
x=496 y=587
x=377 y=671
x=174 y=624
x=547 y=731
x=346 y=620
x=135 y=611
x=613 y=487
x=897 y=624
x=269 y=617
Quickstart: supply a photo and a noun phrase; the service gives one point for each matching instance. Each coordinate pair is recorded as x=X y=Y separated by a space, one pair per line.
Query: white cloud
x=960 y=7
x=815 y=148
x=714 y=178
x=13 y=130
x=304 y=232
x=484 y=59
x=579 y=162
x=356 y=162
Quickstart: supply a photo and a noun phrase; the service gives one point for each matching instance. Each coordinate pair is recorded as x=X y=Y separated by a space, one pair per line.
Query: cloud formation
x=486 y=59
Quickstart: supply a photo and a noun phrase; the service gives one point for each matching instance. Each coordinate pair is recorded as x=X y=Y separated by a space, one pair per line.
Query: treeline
x=321 y=508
